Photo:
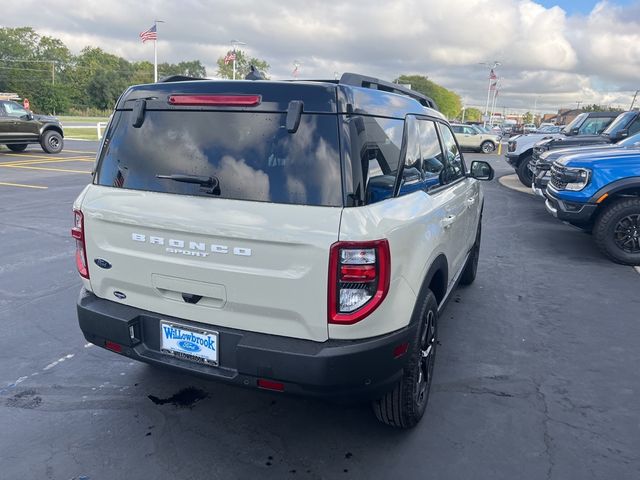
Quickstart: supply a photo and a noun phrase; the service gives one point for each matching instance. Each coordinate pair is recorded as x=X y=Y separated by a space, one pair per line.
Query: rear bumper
x=576 y=213
x=338 y=369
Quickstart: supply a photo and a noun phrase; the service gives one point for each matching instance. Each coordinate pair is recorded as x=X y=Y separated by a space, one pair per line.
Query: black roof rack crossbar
x=357 y=80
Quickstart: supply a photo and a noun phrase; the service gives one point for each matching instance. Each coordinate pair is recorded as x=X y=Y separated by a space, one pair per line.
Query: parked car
x=546 y=152
x=599 y=191
x=20 y=128
x=550 y=129
x=529 y=127
x=520 y=148
x=546 y=124
x=470 y=138
x=307 y=247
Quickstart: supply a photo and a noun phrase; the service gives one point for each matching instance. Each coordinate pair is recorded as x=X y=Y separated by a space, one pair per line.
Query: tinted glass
x=469 y=131
x=620 y=122
x=251 y=155
x=634 y=127
x=456 y=128
x=14 y=110
x=575 y=123
x=431 y=153
x=454 y=168
x=594 y=126
x=372 y=145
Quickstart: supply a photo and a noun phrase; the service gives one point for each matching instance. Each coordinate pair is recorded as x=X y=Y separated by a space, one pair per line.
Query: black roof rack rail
x=357 y=80
x=179 y=78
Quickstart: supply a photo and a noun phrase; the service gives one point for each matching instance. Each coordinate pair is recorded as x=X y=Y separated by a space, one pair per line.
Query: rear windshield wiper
x=209 y=184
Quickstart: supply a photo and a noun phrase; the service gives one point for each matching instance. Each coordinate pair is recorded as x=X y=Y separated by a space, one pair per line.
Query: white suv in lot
x=299 y=237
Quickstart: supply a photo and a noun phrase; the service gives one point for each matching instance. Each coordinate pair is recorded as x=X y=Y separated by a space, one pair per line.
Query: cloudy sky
x=553 y=53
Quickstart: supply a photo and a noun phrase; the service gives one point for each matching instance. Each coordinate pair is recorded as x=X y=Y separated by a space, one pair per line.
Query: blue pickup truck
x=599 y=191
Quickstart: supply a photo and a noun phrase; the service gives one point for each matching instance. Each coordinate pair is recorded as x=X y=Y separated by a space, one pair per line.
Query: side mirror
x=624 y=133
x=575 y=131
x=481 y=170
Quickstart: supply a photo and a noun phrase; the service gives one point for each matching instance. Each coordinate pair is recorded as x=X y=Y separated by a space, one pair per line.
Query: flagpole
x=493 y=104
x=155 y=61
x=234 y=62
x=491 y=66
x=155 y=51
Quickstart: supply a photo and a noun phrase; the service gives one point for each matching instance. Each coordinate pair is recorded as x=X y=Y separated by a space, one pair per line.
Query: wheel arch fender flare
x=440 y=267
x=617 y=186
x=51 y=126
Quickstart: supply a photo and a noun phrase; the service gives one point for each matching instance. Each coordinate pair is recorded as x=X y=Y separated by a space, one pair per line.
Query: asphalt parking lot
x=536 y=377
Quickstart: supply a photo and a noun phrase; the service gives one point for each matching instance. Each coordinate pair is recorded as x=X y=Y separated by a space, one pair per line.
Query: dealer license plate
x=191 y=344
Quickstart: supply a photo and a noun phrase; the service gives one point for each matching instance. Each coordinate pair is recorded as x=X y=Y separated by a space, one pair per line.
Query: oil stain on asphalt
x=187 y=397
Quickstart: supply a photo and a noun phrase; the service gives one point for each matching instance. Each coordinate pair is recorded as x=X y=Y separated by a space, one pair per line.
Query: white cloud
x=546 y=53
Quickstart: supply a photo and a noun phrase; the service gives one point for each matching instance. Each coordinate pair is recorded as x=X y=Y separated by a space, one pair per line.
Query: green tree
x=448 y=102
x=472 y=114
x=527 y=118
x=243 y=62
x=191 y=68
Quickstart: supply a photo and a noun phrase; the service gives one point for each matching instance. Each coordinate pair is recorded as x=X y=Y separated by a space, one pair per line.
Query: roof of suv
x=353 y=94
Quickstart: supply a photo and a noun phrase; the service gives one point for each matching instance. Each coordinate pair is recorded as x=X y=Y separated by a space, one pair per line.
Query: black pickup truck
x=19 y=128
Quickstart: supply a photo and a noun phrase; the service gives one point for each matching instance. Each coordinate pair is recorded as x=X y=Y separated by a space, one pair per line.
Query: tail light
x=359 y=275
x=77 y=232
x=216 y=100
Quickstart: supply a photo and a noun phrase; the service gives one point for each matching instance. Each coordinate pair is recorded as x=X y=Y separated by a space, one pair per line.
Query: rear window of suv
x=250 y=154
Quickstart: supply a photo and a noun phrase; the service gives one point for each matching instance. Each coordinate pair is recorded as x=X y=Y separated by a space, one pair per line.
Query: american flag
x=492 y=75
x=151 y=34
x=229 y=57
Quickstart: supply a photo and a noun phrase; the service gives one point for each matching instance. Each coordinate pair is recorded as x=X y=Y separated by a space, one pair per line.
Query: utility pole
x=634 y=100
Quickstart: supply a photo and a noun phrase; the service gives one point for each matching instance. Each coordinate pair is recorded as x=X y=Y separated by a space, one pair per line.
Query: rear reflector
x=113 y=346
x=215 y=100
x=400 y=350
x=270 y=385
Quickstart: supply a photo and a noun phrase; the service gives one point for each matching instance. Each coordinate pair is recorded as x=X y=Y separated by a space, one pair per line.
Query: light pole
x=234 y=44
x=492 y=76
x=634 y=99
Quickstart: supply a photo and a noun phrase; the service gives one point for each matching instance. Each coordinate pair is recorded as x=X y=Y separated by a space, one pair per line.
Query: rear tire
x=405 y=405
x=471 y=267
x=617 y=231
x=487 y=147
x=524 y=174
x=19 y=147
x=51 y=142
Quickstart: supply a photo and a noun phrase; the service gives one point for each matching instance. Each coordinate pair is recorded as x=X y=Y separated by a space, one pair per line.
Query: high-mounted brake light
x=359 y=276
x=77 y=232
x=216 y=100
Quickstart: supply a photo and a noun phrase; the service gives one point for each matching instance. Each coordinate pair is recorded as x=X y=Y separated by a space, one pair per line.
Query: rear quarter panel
x=411 y=224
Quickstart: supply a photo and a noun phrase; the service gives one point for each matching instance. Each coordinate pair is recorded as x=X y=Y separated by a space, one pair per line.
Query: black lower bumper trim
x=338 y=369
x=576 y=213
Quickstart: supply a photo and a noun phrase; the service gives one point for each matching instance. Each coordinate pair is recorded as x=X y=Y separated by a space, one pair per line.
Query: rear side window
x=251 y=155
x=372 y=145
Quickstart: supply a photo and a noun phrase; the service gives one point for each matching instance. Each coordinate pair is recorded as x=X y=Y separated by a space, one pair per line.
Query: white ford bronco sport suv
x=292 y=236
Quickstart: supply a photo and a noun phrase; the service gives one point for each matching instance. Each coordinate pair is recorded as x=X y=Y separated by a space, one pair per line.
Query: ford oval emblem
x=188 y=346
x=119 y=295
x=102 y=263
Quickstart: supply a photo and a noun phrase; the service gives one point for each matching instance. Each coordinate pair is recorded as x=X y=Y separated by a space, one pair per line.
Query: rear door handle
x=448 y=221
